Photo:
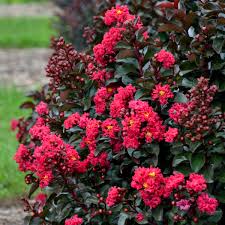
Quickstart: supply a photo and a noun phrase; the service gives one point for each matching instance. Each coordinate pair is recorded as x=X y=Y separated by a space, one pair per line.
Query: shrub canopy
x=131 y=131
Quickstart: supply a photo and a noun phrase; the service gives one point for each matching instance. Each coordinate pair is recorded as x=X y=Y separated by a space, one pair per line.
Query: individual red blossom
x=115 y=195
x=162 y=93
x=42 y=109
x=45 y=178
x=171 y=135
x=172 y=182
x=39 y=131
x=72 y=120
x=207 y=204
x=177 y=111
x=110 y=128
x=100 y=160
x=101 y=97
x=41 y=199
x=183 y=204
x=23 y=158
x=121 y=100
x=84 y=119
x=151 y=179
x=14 y=124
x=166 y=58
x=75 y=220
x=119 y=15
x=196 y=183
x=153 y=131
x=139 y=217
x=131 y=131
x=145 y=35
x=117 y=145
x=101 y=76
x=150 y=200
x=105 y=51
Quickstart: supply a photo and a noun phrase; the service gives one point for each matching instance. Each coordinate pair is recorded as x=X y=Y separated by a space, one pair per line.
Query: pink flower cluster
x=154 y=187
x=115 y=196
x=162 y=93
x=166 y=58
x=75 y=220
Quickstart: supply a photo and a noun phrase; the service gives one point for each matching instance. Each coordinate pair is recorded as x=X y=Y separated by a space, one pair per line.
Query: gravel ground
x=11 y=215
x=23 y=67
x=11 y=212
x=33 y=9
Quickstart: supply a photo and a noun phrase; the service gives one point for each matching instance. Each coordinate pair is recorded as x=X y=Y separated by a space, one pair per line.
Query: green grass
x=25 y=32
x=11 y=180
x=20 y=1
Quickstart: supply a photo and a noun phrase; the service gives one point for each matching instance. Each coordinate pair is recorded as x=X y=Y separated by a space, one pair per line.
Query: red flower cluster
x=196 y=183
x=207 y=204
x=110 y=128
x=171 y=134
x=75 y=220
x=162 y=93
x=166 y=58
x=118 y=15
x=140 y=217
x=150 y=183
x=42 y=109
x=120 y=101
x=101 y=97
x=23 y=158
x=105 y=51
x=115 y=195
x=154 y=187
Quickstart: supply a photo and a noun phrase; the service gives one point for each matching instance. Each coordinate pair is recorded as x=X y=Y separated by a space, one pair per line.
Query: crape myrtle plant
x=126 y=134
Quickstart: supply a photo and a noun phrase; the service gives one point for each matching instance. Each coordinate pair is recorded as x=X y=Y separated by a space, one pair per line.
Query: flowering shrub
x=122 y=135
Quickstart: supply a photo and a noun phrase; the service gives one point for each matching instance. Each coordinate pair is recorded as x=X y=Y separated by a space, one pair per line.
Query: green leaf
x=129 y=61
x=180 y=97
x=218 y=43
x=221 y=176
x=158 y=214
x=122 y=218
x=139 y=93
x=216 y=217
x=179 y=159
x=188 y=83
x=126 y=80
x=197 y=162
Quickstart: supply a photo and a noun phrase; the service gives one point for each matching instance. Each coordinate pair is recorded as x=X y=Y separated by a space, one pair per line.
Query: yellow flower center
x=109 y=90
x=146 y=114
x=131 y=122
x=73 y=158
x=161 y=93
x=148 y=134
x=119 y=12
x=45 y=177
x=152 y=174
x=145 y=185
x=110 y=127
